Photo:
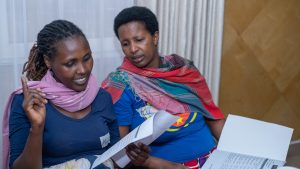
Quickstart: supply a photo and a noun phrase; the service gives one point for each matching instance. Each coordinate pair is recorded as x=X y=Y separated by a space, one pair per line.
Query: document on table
x=146 y=133
x=252 y=144
x=228 y=160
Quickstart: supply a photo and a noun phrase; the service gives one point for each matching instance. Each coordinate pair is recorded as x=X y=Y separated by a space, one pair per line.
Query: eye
x=124 y=44
x=87 y=57
x=139 y=39
x=69 y=64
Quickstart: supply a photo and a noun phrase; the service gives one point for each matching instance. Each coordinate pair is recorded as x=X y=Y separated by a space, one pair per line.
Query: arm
x=31 y=157
x=112 y=122
x=216 y=127
x=34 y=107
x=124 y=130
x=125 y=112
x=139 y=155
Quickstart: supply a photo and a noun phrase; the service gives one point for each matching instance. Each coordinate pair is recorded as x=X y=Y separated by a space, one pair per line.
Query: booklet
x=252 y=144
x=146 y=133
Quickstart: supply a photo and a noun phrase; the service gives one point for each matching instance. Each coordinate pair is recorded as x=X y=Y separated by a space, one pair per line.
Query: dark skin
x=216 y=127
x=139 y=156
x=34 y=106
x=140 y=47
x=71 y=66
x=76 y=51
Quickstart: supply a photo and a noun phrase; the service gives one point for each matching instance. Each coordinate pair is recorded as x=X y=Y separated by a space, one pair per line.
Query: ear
x=156 y=38
x=47 y=61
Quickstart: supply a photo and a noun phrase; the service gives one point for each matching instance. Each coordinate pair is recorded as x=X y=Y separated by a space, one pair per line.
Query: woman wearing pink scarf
x=61 y=118
x=61 y=114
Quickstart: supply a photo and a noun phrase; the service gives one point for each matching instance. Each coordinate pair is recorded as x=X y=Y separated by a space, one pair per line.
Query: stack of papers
x=250 y=144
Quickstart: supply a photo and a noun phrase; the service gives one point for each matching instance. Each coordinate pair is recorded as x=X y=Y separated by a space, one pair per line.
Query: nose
x=81 y=69
x=133 y=48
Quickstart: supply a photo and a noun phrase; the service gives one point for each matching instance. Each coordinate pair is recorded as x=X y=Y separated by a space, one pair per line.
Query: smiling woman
x=63 y=96
x=62 y=118
x=21 y=21
x=73 y=62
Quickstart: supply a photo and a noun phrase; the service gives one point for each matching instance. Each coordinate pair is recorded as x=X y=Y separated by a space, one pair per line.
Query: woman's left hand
x=138 y=154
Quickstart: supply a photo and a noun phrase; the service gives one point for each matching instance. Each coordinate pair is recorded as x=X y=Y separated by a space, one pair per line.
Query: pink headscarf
x=59 y=95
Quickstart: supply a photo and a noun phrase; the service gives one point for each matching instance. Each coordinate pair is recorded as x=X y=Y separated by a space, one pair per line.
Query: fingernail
x=23 y=77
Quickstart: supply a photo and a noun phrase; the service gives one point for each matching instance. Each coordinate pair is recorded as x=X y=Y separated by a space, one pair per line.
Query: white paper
x=253 y=137
x=227 y=160
x=245 y=142
x=146 y=133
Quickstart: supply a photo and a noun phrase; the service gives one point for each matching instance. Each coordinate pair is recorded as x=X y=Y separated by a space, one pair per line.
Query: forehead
x=132 y=27
x=72 y=46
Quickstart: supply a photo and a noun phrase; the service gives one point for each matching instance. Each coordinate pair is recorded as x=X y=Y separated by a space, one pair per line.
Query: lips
x=81 y=80
x=138 y=59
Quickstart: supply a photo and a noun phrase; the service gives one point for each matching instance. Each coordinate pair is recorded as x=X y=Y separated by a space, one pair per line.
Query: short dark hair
x=136 y=13
x=47 y=39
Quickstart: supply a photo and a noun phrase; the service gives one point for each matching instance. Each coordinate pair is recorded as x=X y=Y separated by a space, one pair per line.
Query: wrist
x=150 y=160
x=37 y=129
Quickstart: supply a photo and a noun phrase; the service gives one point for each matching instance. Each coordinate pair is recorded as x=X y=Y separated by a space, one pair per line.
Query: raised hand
x=34 y=104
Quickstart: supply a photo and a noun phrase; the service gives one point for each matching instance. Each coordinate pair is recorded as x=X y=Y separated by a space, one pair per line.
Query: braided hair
x=52 y=33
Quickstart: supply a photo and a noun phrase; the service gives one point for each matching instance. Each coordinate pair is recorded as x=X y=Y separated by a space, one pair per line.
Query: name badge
x=105 y=140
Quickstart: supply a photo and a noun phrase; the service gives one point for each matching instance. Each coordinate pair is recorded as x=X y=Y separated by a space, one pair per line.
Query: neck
x=156 y=63
x=75 y=115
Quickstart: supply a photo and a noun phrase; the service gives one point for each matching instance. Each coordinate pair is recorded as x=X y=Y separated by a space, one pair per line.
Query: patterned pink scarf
x=58 y=94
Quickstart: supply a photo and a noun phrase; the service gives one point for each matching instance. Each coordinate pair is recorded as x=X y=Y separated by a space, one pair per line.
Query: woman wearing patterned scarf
x=147 y=82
